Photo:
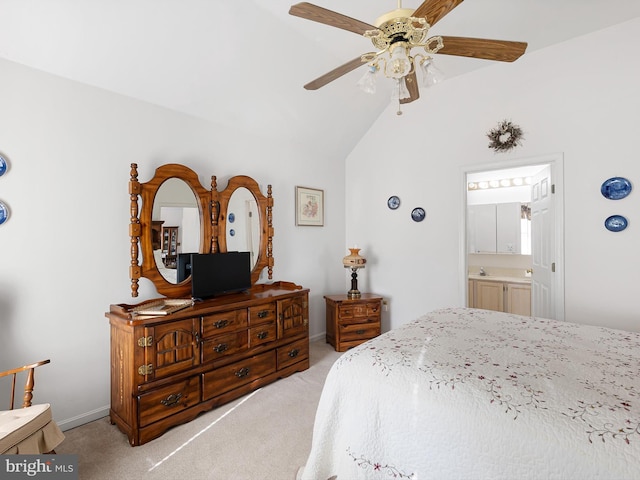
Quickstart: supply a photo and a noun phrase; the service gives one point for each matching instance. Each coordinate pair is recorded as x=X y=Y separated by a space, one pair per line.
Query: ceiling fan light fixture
x=431 y=74
x=368 y=81
x=400 y=63
x=399 y=90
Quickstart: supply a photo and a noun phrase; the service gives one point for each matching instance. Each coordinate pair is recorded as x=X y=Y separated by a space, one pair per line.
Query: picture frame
x=309 y=207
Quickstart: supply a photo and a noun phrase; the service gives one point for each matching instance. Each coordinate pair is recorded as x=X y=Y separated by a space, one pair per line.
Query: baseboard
x=317 y=336
x=87 y=417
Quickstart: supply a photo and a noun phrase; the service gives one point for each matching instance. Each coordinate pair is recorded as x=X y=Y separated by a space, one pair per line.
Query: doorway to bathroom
x=513 y=247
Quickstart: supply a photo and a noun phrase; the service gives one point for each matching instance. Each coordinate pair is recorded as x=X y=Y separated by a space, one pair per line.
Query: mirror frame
x=140 y=229
x=265 y=210
x=212 y=207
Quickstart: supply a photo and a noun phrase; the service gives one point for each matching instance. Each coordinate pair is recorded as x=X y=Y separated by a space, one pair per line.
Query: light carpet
x=265 y=435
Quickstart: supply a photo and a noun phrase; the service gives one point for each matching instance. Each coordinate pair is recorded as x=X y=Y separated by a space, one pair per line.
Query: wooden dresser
x=352 y=321
x=165 y=370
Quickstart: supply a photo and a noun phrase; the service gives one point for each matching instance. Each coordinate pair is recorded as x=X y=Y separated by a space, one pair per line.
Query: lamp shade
x=354 y=260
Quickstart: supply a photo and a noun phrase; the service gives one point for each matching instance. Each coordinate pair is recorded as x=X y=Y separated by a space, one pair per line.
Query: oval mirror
x=170 y=214
x=175 y=227
x=243 y=224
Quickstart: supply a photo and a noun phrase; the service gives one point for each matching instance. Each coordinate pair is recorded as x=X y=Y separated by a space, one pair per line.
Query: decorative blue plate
x=418 y=214
x=393 y=202
x=616 y=188
x=3 y=165
x=231 y=218
x=4 y=213
x=616 y=223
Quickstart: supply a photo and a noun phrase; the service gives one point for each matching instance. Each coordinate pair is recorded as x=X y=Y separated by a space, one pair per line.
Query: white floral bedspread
x=473 y=394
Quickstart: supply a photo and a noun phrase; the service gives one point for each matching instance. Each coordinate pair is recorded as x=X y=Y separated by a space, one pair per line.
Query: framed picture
x=309 y=207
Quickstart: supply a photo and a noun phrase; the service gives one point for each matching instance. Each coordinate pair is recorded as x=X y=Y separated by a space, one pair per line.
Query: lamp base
x=353 y=294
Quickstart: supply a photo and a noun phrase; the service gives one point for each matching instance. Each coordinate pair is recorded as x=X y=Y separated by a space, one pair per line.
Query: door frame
x=556 y=161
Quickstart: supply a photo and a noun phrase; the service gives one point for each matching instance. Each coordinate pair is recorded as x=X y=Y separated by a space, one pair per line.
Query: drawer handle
x=263 y=313
x=262 y=335
x=243 y=372
x=294 y=353
x=220 y=348
x=360 y=332
x=172 y=400
x=221 y=323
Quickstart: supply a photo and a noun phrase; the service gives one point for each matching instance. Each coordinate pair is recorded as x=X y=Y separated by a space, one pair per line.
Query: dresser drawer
x=359 y=331
x=262 y=313
x=165 y=401
x=293 y=353
x=262 y=334
x=222 y=345
x=223 y=322
x=232 y=376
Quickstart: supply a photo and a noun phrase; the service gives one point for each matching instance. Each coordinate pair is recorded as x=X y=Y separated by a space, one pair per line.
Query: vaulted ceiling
x=243 y=63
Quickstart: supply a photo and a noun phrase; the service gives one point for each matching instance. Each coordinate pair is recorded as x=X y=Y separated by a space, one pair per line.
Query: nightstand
x=352 y=321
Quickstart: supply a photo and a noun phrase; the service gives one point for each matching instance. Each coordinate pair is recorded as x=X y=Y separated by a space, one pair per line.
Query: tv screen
x=218 y=273
x=183 y=266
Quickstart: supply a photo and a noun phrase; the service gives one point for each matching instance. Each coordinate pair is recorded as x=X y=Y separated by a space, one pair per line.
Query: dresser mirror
x=173 y=213
x=245 y=223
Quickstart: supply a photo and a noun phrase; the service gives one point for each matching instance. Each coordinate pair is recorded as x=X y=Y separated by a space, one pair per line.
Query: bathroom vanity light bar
x=502 y=183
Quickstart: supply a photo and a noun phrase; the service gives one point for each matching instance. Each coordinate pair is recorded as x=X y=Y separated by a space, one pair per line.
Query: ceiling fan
x=394 y=35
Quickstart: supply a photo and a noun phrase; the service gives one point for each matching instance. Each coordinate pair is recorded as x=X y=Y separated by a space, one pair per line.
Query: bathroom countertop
x=500 y=278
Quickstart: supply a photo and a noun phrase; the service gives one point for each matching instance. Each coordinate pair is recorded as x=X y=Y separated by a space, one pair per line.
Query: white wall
x=578 y=99
x=65 y=248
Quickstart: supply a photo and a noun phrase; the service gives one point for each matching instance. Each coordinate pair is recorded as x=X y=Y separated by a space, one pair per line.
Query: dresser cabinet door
x=170 y=348
x=293 y=316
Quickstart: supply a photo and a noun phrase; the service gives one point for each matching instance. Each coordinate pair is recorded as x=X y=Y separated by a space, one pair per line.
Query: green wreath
x=505 y=136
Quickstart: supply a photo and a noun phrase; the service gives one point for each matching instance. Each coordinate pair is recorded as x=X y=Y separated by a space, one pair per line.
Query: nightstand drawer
x=360 y=310
x=359 y=331
x=359 y=320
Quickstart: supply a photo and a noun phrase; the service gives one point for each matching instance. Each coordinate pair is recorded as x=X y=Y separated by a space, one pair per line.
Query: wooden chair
x=30 y=429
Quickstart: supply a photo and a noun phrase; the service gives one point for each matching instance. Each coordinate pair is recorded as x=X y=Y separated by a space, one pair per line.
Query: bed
x=473 y=394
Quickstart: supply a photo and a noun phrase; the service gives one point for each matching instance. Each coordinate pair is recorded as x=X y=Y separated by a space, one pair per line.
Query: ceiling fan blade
x=500 y=50
x=435 y=10
x=333 y=74
x=412 y=85
x=329 y=17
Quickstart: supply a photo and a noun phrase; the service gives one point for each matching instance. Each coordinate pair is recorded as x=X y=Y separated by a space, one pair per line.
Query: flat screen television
x=215 y=274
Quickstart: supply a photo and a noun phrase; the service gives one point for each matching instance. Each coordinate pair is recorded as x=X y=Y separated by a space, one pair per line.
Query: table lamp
x=354 y=261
